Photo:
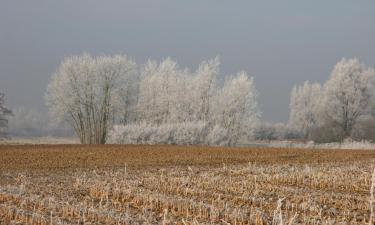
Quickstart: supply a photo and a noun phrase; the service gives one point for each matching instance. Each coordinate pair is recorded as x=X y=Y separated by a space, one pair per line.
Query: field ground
x=120 y=184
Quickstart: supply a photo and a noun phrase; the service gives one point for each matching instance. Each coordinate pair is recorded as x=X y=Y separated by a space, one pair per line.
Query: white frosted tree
x=236 y=108
x=203 y=87
x=168 y=94
x=88 y=92
x=171 y=99
x=158 y=92
x=304 y=105
x=347 y=94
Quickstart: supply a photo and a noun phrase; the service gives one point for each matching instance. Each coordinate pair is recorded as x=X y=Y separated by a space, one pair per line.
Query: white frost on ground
x=347 y=144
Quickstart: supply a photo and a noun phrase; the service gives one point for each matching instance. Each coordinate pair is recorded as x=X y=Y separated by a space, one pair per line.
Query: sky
x=279 y=43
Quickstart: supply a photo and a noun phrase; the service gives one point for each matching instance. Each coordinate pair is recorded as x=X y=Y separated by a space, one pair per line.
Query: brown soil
x=30 y=157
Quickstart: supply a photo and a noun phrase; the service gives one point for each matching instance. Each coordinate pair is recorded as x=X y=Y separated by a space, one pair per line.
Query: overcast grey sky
x=280 y=43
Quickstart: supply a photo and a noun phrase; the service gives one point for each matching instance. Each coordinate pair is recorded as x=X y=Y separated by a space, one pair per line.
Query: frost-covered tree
x=89 y=93
x=4 y=113
x=236 y=108
x=171 y=97
x=347 y=94
x=203 y=87
x=168 y=94
x=158 y=92
x=304 y=103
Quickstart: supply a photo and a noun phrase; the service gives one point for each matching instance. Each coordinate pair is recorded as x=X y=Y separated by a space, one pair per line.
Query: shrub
x=187 y=133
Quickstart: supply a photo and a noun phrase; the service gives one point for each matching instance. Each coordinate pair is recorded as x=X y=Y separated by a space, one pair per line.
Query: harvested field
x=117 y=184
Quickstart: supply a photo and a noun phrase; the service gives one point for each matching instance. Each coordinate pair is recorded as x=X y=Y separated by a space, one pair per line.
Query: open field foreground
x=78 y=184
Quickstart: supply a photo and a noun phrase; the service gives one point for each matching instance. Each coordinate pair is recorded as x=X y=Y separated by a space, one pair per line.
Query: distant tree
x=347 y=95
x=4 y=113
x=91 y=93
x=27 y=122
x=304 y=103
x=333 y=112
x=30 y=122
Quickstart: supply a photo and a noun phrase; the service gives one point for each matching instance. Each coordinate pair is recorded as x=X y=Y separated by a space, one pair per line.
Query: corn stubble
x=340 y=191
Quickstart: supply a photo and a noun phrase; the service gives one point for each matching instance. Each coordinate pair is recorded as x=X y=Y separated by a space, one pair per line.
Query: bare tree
x=4 y=113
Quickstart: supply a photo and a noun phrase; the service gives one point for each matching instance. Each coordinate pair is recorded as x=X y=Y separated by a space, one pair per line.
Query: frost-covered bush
x=143 y=133
x=278 y=131
x=349 y=144
x=217 y=136
x=188 y=133
x=346 y=144
x=265 y=132
x=131 y=134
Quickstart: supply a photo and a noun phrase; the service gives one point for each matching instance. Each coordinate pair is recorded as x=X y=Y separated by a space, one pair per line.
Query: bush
x=277 y=131
x=326 y=134
x=217 y=136
x=365 y=130
x=265 y=132
x=178 y=133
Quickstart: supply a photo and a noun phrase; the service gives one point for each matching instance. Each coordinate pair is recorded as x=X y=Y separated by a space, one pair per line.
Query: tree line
x=112 y=99
x=96 y=93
